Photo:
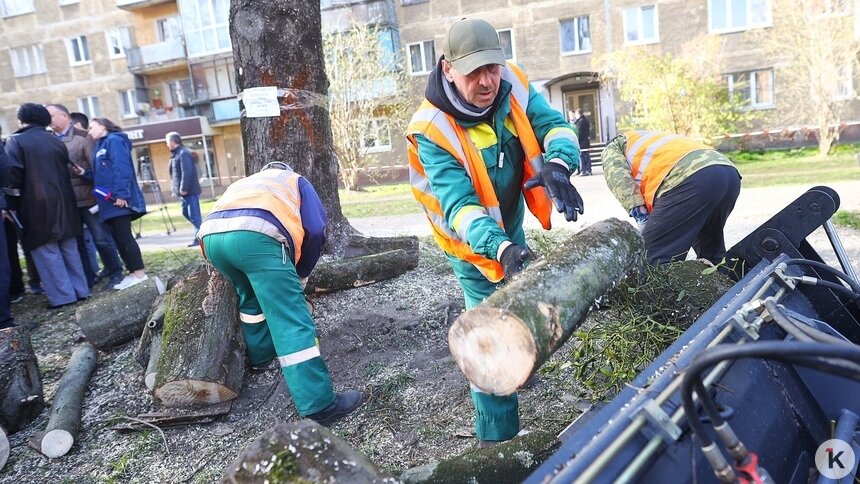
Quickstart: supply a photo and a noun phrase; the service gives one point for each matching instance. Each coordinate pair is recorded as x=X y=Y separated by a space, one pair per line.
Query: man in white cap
x=483 y=145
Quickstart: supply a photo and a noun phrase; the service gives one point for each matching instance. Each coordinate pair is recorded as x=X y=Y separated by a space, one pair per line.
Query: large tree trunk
x=279 y=43
x=202 y=354
x=120 y=317
x=510 y=461
x=21 y=398
x=65 y=422
x=501 y=342
x=4 y=448
x=340 y=274
x=301 y=452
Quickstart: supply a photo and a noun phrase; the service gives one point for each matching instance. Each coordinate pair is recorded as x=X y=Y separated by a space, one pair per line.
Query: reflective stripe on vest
x=275 y=191
x=652 y=155
x=443 y=130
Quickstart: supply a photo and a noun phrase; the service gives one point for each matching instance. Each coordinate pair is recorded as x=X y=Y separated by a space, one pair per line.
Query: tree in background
x=368 y=95
x=684 y=94
x=815 y=49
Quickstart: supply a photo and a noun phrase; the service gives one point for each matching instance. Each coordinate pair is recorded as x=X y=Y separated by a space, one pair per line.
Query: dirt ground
x=388 y=339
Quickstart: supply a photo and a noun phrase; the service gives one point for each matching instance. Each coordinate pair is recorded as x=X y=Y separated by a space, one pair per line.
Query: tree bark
x=151 y=371
x=202 y=354
x=340 y=274
x=301 y=452
x=21 y=398
x=4 y=448
x=152 y=326
x=279 y=43
x=502 y=341
x=119 y=317
x=359 y=245
x=510 y=461
x=65 y=422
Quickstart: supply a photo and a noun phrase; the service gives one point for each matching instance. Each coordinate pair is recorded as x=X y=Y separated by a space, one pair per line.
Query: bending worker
x=477 y=146
x=265 y=234
x=682 y=188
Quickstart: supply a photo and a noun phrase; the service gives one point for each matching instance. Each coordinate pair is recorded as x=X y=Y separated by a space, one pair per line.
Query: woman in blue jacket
x=120 y=200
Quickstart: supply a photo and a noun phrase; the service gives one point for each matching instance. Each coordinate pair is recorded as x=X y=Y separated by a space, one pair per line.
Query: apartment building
x=65 y=51
x=559 y=43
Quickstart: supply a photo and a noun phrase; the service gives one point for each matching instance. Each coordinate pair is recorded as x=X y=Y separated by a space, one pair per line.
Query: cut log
x=202 y=354
x=359 y=245
x=153 y=325
x=152 y=366
x=65 y=421
x=503 y=340
x=119 y=317
x=301 y=452
x=4 y=448
x=340 y=274
x=21 y=398
x=510 y=461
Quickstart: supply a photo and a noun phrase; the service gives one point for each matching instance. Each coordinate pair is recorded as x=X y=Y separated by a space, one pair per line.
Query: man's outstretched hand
x=514 y=259
x=555 y=177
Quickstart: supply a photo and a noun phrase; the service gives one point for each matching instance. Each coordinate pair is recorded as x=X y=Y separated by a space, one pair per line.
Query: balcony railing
x=147 y=58
x=135 y=4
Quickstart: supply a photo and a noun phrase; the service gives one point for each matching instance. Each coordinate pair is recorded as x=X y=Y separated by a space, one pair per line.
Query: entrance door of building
x=587 y=101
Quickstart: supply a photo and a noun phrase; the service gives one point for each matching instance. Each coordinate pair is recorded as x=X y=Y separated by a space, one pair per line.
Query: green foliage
x=850 y=219
x=682 y=94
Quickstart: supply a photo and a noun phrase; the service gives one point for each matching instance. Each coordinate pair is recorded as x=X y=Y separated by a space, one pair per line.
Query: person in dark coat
x=119 y=197
x=583 y=135
x=6 y=320
x=183 y=174
x=41 y=191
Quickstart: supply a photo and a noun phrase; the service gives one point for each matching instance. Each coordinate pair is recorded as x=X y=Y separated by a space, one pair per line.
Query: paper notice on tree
x=261 y=102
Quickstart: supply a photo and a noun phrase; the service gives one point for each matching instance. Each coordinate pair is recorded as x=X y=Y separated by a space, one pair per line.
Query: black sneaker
x=343 y=405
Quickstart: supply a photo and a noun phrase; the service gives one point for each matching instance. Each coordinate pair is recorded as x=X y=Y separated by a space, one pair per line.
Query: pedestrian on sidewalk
x=186 y=185
x=583 y=135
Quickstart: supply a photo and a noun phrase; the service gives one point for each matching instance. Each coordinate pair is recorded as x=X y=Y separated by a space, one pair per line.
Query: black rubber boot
x=343 y=405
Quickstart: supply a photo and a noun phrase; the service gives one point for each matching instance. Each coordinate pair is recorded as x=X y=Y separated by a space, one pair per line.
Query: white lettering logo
x=135 y=134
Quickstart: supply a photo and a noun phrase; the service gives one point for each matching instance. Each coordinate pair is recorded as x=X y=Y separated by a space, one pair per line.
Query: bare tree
x=368 y=96
x=279 y=43
x=682 y=93
x=815 y=50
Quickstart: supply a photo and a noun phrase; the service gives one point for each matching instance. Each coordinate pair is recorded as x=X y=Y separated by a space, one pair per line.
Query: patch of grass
x=385 y=393
x=169 y=260
x=379 y=200
x=153 y=222
x=796 y=166
x=121 y=465
x=847 y=218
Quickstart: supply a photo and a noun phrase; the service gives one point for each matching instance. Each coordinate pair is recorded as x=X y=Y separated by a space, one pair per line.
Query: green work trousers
x=275 y=320
x=496 y=417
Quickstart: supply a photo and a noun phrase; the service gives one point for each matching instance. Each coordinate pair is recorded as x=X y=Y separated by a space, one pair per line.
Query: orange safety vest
x=652 y=155
x=275 y=191
x=442 y=129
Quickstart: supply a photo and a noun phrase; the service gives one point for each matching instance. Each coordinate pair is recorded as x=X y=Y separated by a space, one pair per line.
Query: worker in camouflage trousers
x=265 y=234
x=679 y=190
x=477 y=146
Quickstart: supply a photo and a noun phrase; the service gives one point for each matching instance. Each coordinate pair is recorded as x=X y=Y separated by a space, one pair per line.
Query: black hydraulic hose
x=837 y=287
x=820 y=265
x=807 y=326
x=805 y=354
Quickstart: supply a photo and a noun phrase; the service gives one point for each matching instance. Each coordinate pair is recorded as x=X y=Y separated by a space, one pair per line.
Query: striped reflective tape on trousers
x=299 y=356
x=252 y=318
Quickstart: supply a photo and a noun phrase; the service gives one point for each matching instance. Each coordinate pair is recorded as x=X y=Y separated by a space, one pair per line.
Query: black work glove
x=514 y=259
x=556 y=178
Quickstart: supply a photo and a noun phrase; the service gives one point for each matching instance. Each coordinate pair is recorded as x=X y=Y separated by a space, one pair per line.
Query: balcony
x=166 y=114
x=137 y=4
x=154 y=58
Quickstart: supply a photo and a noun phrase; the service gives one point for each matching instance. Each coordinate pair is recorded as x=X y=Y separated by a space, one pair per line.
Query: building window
x=128 y=103
x=169 y=28
x=640 y=25
x=389 y=41
x=27 y=60
x=117 y=41
x=755 y=88
x=376 y=137
x=412 y=2
x=734 y=15
x=575 y=36
x=422 y=57
x=214 y=79
x=9 y=8
x=90 y=106
x=206 y=26
x=79 y=51
x=69 y=2
x=506 y=40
